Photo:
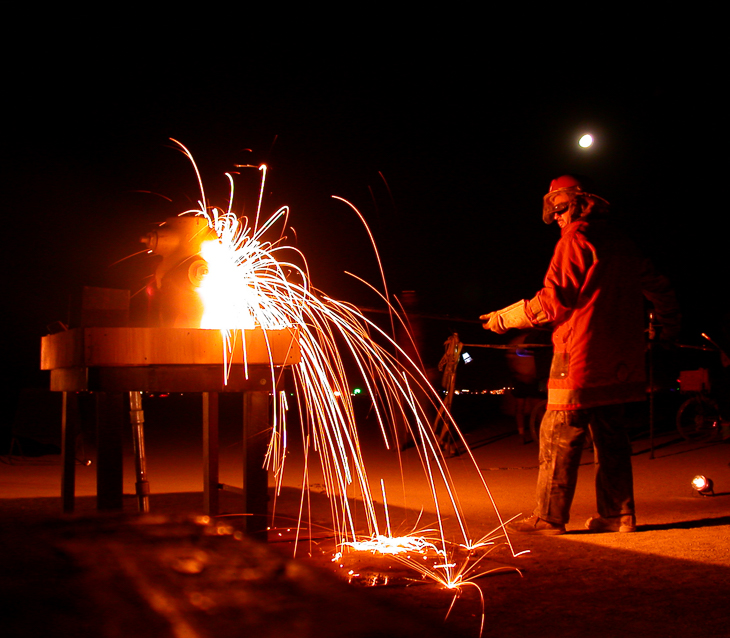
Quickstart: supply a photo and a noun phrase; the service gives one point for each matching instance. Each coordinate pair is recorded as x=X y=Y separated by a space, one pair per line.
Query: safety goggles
x=556 y=203
x=560 y=201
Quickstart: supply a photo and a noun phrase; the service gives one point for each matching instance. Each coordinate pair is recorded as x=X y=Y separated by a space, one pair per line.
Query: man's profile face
x=561 y=203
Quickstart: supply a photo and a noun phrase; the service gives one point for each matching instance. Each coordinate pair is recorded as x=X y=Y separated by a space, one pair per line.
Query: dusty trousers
x=562 y=438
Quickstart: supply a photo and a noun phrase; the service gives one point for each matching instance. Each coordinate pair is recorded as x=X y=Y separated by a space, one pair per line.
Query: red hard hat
x=565 y=181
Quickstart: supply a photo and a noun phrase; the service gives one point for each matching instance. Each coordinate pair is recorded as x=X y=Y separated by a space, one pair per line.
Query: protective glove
x=510 y=317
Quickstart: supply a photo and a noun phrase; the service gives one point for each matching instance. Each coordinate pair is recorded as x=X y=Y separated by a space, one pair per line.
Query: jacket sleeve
x=569 y=268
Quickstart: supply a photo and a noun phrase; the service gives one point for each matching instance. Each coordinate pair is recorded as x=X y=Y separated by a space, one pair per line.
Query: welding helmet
x=568 y=195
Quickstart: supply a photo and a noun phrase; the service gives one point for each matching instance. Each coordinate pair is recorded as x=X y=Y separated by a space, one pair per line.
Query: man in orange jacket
x=593 y=297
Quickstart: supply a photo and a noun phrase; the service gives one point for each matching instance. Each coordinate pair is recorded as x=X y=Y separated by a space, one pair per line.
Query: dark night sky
x=466 y=139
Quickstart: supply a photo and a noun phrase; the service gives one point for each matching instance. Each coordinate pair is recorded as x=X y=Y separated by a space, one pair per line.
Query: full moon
x=585 y=141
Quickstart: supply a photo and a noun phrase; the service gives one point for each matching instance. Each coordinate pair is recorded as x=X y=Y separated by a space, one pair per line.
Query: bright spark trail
x=253 y=282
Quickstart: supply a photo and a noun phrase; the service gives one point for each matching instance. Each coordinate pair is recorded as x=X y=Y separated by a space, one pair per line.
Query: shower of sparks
x=256 y=282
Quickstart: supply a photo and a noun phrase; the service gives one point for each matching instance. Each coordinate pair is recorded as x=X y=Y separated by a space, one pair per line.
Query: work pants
x=562 y=438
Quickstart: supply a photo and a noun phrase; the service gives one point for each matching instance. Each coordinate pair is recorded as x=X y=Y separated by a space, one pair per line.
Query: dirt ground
x=664 y=580
x=670 y=578
x=667 y=579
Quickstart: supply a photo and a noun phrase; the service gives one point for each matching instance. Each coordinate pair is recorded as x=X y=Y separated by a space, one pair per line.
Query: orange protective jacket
x=593 y=296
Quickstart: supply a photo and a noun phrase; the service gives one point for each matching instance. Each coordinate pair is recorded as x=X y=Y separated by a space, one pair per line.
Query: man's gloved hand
x=510 y=317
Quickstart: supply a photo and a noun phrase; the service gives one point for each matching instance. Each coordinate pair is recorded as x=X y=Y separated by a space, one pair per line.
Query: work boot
x=536 y=525
x=626 y=523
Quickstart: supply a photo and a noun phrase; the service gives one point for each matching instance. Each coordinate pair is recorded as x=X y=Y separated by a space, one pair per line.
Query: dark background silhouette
x=445 y=150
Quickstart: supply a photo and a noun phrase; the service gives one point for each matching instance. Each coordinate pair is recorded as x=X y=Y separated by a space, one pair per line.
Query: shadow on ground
x=172 y=574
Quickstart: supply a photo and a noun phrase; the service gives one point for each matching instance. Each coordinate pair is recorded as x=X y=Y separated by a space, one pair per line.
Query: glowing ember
x=389 y=545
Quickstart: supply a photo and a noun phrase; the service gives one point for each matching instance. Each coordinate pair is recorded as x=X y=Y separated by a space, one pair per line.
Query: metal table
x=112 y=362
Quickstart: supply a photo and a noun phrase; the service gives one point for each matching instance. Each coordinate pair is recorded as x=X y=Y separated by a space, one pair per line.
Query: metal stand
x=112 y=362
x=136 y=418
x=211 y=486
x=109 y=388
x=256 y=434
x=109 y=437
x=69 y=421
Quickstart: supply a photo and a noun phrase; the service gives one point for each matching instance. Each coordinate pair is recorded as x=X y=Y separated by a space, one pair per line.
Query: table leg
x=69 y=425
x=211 y=486
x=109 y=433
x=256 y=432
